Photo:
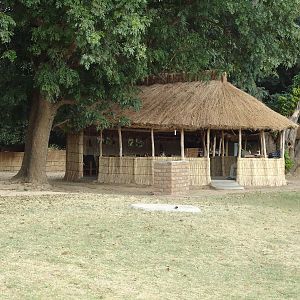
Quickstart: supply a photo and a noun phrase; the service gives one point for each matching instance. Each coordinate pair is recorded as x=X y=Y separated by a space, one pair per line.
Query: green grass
x=242 y=246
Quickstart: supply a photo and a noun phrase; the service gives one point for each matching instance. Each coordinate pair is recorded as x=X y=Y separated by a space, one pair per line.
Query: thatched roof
x=215 y=104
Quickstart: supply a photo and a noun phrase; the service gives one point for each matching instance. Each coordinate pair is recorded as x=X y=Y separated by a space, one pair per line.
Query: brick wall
x=171 y=177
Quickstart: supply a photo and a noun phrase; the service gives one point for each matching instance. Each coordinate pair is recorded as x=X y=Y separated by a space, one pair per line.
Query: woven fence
x=261 y=172
x=139 y=170
x=74 y=159
x=12 y=161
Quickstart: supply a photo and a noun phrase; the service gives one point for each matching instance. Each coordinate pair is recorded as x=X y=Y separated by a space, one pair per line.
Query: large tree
x=86 y=53
x=91 y=53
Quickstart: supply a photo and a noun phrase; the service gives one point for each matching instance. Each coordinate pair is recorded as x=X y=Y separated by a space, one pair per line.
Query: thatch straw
x=195 y=105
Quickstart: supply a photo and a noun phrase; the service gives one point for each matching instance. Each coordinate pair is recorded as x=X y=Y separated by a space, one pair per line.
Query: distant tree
x=289 y=105
x=283 y=95
x=12 y=121
x=248 y=39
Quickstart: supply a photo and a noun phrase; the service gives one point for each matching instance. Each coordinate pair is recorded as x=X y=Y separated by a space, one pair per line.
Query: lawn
x=88 y=246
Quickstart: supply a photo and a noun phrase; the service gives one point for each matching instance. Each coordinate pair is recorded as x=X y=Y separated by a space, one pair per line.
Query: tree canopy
x=73 y=50
x=248 y=39
x=84 y=53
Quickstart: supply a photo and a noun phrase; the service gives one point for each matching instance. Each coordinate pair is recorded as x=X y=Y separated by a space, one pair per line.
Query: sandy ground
x=95 y=246
x=83 y=240
x=90 y=185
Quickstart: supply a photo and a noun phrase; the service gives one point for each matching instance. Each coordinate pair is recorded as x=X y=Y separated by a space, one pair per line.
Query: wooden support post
x=261 y=143
x=208 y=159
x=100 y=152
x=240 y=143
x=152 y=142
x=220 y=146
x=283 y=143
x=101 y=144
x=223 y=154
x=120 y=142
x=227 y=148
x=204 y=144
x=280 y=145
x=223 y=143
x=182 y=143
x=214 y=146
x=208 y=142
x=264 y=144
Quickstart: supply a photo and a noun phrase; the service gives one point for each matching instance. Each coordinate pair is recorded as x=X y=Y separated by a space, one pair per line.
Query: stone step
x=226 y=185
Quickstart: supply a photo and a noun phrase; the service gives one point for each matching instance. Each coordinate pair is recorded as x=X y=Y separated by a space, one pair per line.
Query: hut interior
x=223 y=147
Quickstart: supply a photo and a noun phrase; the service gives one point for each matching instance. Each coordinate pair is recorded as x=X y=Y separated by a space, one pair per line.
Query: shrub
x=288 y=161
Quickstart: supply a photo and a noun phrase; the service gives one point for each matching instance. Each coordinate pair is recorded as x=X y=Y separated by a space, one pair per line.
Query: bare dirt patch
x=90 y=185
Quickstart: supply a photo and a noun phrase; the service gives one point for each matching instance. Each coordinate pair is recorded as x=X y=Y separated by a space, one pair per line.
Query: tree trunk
x=291 y=134
x=296 y=167
x=297 y=150
x=28 y=140
x=272 y=142
x=41 y=118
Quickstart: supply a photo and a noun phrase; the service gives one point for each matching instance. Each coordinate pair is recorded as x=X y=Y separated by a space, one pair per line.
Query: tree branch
x=296 y=114
x=60 y=123
x=70 y=51
x=64 y=102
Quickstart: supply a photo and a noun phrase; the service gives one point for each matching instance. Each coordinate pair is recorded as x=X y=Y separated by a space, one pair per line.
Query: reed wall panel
x=261 y=172
x=12 y=161
x=74 y=157
x=199 y=171
x=139 y=170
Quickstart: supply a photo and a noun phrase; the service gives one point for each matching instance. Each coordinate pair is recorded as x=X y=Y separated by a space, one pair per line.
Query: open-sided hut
x=218 y=128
